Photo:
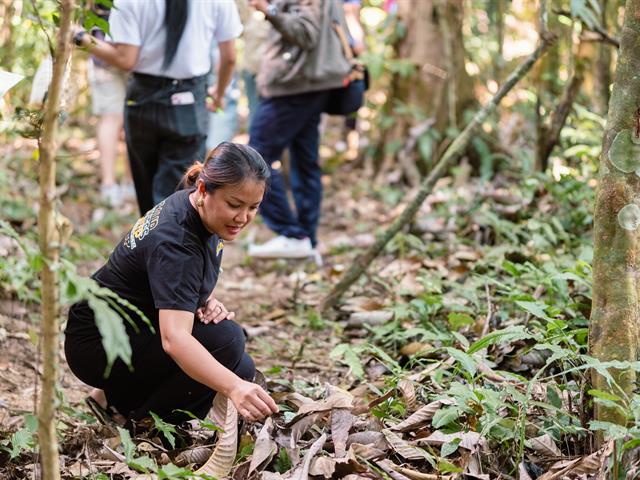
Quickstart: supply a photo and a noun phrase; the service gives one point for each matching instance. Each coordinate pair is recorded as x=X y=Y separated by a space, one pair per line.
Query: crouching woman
x=167 y=266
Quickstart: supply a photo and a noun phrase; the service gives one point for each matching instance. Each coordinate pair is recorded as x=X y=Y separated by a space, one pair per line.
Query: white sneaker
x=283 y=247
x=111 y=195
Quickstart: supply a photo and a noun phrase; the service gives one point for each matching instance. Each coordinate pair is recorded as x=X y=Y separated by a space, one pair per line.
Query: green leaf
x=466 y=361
x=20 y=441
x=611 y=430
x=166 y=428
x=127 y=444
x=448 y=467
x=445 y=416
x=206 y=423
x=508 y=334
x=459 y=320
x=114 y=336
x=348 y=356
x=283 y=462
x=448 y=448
x=537 y=309
x=604 y=395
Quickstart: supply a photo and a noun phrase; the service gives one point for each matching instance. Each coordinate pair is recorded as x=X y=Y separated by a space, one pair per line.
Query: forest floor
x=431 y=367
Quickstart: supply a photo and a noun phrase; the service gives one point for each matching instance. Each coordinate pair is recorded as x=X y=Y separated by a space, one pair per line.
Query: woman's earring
x=200 y=202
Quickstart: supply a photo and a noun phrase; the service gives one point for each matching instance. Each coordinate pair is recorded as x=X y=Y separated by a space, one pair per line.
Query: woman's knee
x=225 y=341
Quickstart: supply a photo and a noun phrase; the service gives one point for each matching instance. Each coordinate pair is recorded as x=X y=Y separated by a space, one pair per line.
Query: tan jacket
x=304 y=53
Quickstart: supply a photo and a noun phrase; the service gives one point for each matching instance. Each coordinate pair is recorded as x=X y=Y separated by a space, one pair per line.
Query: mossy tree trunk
x=49 y=247
x=615 y=316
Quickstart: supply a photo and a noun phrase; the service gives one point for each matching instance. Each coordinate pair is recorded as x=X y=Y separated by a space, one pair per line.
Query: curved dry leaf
x=221 y=460
x=329 y=467
x=408 y=392
x=423 y=415
x=302 y=473
x=301 y=427
x=271 y=476
x=404 y=448
x=294 y=399
x=341 y=422
x=589 y=465
x=265 y=448
x=367 y=452
x=197 y=455
x=544 y=446
x=371 y=437
x=335 y=400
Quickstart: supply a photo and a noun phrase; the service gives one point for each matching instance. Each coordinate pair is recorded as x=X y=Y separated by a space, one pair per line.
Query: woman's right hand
x=252 y=401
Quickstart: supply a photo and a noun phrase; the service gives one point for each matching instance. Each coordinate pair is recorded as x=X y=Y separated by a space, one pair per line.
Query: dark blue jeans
x=291 y=122
x=163 y=139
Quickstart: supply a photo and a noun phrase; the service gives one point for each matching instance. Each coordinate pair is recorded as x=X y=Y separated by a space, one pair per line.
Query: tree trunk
x=613 y=329
x=439 y=85
x=602 y=66
x=49 y=247
x=457 y=148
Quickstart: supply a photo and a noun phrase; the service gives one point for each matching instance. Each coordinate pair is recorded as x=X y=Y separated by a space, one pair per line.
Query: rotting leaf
x=588 y=465
x=265 y=448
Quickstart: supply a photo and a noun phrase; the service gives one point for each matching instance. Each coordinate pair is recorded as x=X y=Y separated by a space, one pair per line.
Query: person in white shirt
x=165 y=43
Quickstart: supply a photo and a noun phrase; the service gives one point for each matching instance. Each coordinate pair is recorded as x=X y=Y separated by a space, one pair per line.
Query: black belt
x=160 y=82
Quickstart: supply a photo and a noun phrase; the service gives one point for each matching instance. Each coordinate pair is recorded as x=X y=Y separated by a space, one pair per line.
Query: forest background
x=447 y=333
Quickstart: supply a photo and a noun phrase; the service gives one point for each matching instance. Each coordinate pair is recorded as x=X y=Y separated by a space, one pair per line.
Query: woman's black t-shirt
x=168 y=260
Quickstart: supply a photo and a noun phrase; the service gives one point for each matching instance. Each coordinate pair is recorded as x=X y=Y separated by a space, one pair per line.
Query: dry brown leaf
x=329 y=467
x=408 y=392
x=423 y=415
x=415 y=475
x=335 y=400
x=197 y=455
x=390 y=468
x=302 y=472
x=301 y=427
x=361 y=304
x=370 y=437
x=341 y=422
x=471 y=441
x=401 y=267
x=368 y=452
x=589 y=465
x=265 y=448
x=522 y=472
x=544 y=446
x=402 y=447
x=271 y=476
x=292 y=398
x=221 y=460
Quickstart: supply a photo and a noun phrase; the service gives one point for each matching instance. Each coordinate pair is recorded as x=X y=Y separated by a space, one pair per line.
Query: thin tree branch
x=41 y=23
x=456 y=148
x=606 y=38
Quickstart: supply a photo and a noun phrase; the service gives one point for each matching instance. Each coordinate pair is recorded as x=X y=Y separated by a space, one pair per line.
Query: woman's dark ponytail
x=190 y=177
x=175 y=19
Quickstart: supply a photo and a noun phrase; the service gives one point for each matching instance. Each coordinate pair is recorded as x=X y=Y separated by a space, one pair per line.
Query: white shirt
x=141 y=23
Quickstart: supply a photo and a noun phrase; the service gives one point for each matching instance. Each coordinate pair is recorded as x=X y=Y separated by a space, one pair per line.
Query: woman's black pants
x=155 y=383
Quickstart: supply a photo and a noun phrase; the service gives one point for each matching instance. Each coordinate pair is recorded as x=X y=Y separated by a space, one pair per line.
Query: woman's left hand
x=214 y=311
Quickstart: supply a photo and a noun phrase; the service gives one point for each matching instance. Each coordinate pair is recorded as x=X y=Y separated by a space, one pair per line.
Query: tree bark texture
x=433 y=43
x=49 y=246
x=613 y=329
x=457 y=148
